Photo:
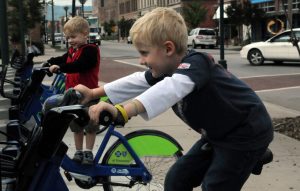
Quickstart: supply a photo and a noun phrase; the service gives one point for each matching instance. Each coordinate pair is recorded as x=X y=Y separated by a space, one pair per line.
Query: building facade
x=107 y=10
x=278 y=17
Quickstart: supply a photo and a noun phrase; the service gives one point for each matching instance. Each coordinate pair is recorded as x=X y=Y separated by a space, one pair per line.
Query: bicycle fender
x=144 y=143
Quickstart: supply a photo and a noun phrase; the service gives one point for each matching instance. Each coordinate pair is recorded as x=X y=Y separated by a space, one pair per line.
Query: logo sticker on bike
x=118 y=153
x=119 y=171
x=121 y=153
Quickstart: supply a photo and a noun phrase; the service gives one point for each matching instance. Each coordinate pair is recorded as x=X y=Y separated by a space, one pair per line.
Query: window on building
x=102 y=3
x=127 y=7
x=122 y=8
x=134 y=5
x=267 y=6
x=296 y=4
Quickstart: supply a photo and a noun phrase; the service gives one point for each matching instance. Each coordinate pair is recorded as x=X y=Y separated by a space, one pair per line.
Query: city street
x=36 y=152
x=277 y=84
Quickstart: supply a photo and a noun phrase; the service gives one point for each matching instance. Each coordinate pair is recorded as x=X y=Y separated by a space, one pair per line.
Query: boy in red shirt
x=81 y=63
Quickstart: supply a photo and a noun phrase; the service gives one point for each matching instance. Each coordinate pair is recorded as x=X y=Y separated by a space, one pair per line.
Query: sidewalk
x=280 y=175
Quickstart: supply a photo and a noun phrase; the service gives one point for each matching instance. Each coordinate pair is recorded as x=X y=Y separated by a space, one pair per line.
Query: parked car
x=58 y=37
x=202 y=37
x=94 y=36
x=278 y=49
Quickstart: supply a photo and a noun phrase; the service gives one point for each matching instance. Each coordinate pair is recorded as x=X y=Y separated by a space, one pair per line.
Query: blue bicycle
x=137 y=161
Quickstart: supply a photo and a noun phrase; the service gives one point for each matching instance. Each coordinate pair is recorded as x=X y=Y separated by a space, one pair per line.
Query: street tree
x=194 y=13
x=244 y=14
x=124 y=26
x=109 y=27
x=30 y=19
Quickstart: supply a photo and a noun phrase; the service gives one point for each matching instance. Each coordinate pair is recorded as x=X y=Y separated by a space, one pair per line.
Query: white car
x=278 y=49
x=58 y=37
x=202 y=37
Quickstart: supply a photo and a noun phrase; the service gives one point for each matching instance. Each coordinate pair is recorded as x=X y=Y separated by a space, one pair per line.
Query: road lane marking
x=129 y=63
x=261 y=76
x=277 y=89
x=248 y=77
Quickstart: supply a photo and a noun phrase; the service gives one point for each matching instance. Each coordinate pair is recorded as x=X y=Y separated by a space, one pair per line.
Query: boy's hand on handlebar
x=119 y=115
x=54 y=68
x=95 y=110
x=86 y=92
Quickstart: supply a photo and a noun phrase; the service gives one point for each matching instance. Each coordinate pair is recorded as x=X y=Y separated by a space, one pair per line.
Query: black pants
x=217 y=169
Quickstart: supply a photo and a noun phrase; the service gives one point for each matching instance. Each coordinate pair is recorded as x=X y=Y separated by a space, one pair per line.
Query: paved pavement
x=280 y=175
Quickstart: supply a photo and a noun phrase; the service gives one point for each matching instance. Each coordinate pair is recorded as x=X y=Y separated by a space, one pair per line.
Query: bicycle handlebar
x=73 y=97
x=47 y=65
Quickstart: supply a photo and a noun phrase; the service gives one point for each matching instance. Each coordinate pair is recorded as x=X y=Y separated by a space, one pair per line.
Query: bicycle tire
x=157 y=160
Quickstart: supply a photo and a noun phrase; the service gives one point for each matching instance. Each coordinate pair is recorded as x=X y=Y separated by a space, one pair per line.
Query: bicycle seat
x=265 y=159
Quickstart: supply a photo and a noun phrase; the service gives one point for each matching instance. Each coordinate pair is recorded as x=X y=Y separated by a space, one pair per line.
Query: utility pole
x=82 y=6
x=22 y=26
x=222 y=60
x=52 y=24
x=3 y=34
x=66 y=9
x=45 y=23
x=290 y=14
x=73 y=8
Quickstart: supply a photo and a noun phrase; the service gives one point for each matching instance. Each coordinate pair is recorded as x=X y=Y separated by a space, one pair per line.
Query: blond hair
x=76 y=25
x=158 y=26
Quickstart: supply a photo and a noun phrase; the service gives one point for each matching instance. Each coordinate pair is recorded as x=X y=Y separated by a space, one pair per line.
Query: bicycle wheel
x=157 y=150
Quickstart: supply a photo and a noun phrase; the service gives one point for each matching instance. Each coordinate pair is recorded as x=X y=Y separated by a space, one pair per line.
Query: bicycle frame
x=47 y=176
x=39 y=93
x=109 y=170
x=34 y=105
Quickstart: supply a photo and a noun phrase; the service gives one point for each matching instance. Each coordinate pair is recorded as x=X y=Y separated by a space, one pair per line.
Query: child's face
x=157 y=59
x=77 y=39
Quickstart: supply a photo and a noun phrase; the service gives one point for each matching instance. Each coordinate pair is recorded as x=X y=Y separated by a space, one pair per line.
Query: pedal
x=265 y=159
x=68 y=176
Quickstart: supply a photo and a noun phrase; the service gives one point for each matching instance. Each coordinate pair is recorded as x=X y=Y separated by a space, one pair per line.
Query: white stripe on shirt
x=126 y=88
x=163 y=95
x=156 y=99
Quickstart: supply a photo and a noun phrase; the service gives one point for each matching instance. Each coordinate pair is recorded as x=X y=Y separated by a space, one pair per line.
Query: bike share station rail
x=36 y=159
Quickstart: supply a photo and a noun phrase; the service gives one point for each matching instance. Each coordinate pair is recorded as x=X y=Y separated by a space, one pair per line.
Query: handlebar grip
x=78 y=95
x=105 y=118
x=46 y=64
x=58 y=71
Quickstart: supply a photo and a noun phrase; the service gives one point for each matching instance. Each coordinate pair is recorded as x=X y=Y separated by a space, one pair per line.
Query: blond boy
x=236 y=128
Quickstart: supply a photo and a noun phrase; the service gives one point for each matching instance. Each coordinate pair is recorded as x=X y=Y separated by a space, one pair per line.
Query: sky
x=69 y=2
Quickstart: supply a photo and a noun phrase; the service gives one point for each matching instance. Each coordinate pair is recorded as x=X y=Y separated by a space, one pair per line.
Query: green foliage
x=194 y=13
x=124 y=26
x=109 y=27
x=234 y=13
x=243 y=14
x=32 y=14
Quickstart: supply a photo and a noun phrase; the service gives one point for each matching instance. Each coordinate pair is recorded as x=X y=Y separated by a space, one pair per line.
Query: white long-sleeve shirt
x=155 y=99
